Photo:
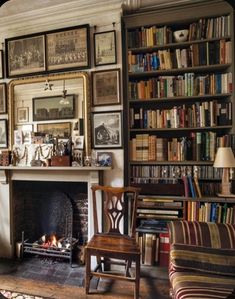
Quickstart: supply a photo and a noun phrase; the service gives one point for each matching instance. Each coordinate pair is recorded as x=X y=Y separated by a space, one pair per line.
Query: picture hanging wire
x=64 y=100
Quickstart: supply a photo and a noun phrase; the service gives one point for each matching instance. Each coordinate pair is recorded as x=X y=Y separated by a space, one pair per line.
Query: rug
x=16 y=295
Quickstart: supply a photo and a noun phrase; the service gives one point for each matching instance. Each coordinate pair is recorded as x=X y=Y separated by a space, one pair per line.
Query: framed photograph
x=105 y=48
x=78 y=141
x=60 y=130
x=22 y=114
x=106 y=87
x=25 y=55
x=3 y=98
x=1 y=65
x=3 y=133
x=107 y=129
x=104 y=159
x=53 y=108
x=68 y=48
x=77 y=157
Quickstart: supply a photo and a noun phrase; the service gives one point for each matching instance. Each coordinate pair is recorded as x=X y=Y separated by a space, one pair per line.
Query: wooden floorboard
x=154 y=286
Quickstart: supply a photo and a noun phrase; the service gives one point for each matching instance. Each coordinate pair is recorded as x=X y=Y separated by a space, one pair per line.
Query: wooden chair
x=113 y=244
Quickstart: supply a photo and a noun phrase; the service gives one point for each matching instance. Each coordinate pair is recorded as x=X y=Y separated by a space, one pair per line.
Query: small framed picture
x=77 y=157
x=105 y=48
x=107 y=129
x=1 y=65
x=3 y=98
x=104 y=159
x=60 y=130
x=22 y=114
x=3 y=133
x=106 y=87
x=78 y=141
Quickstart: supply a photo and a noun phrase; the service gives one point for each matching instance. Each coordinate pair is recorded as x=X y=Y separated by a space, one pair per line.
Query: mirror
x=56 y=100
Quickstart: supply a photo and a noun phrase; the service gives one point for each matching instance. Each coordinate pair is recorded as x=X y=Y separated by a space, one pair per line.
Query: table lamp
x=225 y=159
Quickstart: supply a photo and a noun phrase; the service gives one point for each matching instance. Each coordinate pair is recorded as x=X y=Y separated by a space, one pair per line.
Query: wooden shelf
x=198 y=69
x=175 y=45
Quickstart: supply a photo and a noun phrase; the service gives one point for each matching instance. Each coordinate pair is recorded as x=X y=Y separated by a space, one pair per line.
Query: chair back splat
x=111 y=246
x=116 y=202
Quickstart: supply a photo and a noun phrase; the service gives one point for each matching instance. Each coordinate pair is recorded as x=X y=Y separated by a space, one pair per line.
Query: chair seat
x=110 y=243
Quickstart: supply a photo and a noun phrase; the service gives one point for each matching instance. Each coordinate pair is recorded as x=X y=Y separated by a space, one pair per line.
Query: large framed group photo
x=67 y=48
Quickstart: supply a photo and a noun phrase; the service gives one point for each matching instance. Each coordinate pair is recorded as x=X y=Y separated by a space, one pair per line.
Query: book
x=186 y=186
x=164 y=248
x=149 y=255
x=154 y=211
x=191 y=186
x=198 y=190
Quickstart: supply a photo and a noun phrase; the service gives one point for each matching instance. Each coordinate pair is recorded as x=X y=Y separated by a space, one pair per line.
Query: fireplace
x=73 y=178
x=51 y=218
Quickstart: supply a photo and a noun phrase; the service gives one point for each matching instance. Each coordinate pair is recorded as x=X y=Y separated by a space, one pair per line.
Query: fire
x=49 y=241
x=53 y=241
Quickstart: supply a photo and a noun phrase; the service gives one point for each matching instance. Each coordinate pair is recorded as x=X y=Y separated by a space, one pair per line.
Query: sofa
x=201 y=260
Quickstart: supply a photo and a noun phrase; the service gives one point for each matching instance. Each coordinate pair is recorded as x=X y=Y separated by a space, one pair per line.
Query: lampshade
x=224 y=158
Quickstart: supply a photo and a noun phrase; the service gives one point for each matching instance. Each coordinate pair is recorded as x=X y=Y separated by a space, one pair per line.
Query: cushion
x=199 y=285
x=203 y=259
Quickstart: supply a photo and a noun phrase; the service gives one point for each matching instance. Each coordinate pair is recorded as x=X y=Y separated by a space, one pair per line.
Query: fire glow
x=48 y=241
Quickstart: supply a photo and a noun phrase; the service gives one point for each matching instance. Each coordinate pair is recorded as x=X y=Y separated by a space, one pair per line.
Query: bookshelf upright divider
x=179 y=102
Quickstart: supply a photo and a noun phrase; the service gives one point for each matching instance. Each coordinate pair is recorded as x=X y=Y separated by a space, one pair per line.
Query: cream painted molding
x=63 y=15
x=138 y=5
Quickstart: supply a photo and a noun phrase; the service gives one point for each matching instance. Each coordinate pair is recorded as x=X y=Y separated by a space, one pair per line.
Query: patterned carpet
x=7 y=294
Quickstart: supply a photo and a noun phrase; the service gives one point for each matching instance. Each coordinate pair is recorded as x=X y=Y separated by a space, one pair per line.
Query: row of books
x=175 y=172
x=210 y=188
x=210 y=212
x=203 y=54
x=157 y=36
x=188 y=84
x=200 y=146
x=174 y=186
x=154 y=248
x=196 y=115
x=194 y=211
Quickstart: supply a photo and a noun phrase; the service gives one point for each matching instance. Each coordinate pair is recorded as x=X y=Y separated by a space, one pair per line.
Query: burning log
x=48 y=241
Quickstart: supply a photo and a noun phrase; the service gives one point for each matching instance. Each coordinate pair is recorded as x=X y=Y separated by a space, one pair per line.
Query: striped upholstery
x=208 y=234
x=202 y=259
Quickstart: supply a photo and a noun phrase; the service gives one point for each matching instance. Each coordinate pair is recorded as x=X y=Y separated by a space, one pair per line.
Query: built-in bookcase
x=179 y=103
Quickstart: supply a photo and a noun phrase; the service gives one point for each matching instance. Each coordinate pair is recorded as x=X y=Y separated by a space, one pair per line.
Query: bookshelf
x=179 y=103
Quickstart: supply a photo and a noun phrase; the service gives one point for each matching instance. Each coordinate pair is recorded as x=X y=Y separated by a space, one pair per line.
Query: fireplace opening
x=43 y=211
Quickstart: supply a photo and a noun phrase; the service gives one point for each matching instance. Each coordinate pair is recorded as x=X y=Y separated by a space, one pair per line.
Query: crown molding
x=63 y=15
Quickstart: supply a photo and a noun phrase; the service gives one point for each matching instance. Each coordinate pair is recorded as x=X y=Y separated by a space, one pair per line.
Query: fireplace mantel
x=50 y=173
x=8 y=174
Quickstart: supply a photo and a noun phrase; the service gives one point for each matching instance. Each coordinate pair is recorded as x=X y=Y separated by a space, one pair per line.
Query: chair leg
x=127 y=270
x=137 y=278
x=88 y=272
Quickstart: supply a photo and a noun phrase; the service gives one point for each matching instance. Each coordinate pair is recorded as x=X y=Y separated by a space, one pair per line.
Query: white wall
x=101 y=14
